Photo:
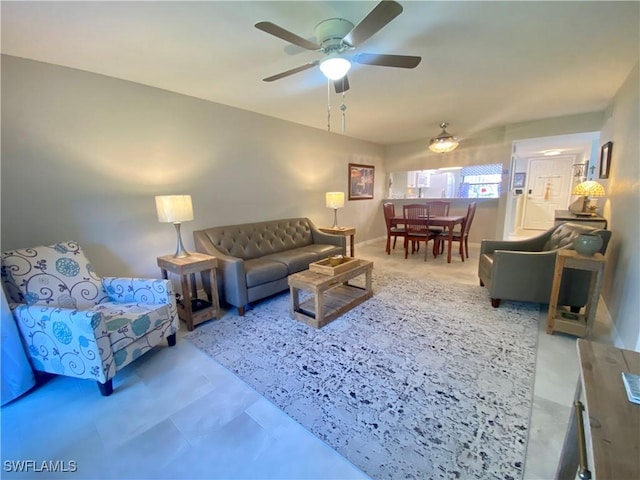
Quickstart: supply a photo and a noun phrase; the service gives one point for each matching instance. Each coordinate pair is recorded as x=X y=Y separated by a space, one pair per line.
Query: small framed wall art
x=360 y=181
x=518 y=179
x=605 y=159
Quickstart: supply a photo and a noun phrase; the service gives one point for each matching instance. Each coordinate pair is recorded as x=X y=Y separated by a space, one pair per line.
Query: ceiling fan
x=336 y=37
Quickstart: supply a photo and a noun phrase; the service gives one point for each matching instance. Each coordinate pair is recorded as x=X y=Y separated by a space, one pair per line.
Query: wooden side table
x=603 y=432
x=345 y=232
x=561 y=319
x=193 y=310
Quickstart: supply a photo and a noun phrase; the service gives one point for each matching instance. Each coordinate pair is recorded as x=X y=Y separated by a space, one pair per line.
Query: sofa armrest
x=328 y=238
x=533 y=244
x=233 y=281
x=148 y=291
x=67 y=342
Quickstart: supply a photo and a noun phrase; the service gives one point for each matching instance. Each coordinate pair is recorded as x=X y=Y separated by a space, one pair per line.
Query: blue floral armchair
x=74 y=323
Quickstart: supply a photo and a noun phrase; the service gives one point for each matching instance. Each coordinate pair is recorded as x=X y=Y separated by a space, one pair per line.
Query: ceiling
x=484 y=64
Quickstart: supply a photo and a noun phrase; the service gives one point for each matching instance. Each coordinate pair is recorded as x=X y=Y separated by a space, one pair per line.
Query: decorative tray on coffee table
x=323 y=266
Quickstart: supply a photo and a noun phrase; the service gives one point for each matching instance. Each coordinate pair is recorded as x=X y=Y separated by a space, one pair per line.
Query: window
x=481 y=181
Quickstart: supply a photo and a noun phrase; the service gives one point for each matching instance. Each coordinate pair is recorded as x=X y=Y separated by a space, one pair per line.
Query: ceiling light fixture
x=335 y=67
x=445 y=142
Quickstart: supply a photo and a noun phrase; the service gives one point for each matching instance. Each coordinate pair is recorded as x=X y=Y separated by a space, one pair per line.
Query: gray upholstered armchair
x=522 y=270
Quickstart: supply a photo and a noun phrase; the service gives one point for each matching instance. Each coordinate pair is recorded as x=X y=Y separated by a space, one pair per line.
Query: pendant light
x=445 y=142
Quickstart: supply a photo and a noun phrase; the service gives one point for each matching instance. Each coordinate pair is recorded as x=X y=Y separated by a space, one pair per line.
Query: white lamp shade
x=174 y=208
x=334 y=199
x=334 y=68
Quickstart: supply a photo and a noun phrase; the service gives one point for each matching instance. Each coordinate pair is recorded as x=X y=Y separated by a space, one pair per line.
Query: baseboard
x=371 y=240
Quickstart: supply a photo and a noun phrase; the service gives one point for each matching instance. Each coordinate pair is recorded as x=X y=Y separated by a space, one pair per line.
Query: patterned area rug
x=424 y=380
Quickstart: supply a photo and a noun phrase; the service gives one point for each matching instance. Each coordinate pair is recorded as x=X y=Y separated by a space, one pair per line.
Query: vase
x=587 y=244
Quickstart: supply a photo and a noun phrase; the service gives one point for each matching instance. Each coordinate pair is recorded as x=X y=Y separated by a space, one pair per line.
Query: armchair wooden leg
x=106 y=389
x=481 y=283
x=495 y=302
x=241 y=311
x=171 y=340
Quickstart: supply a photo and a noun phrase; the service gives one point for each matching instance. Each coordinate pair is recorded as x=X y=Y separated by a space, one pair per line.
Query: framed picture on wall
x=605 y=159
x=519 y=179
x=360 y=181
x=579 y=171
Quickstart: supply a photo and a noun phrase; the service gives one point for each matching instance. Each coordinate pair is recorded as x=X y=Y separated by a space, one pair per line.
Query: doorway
x=547 y=190
x=583 y=147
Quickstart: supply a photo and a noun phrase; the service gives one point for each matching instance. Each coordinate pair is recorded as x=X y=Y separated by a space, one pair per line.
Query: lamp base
x=335 y=218
x=578 y=206
x=180 y=250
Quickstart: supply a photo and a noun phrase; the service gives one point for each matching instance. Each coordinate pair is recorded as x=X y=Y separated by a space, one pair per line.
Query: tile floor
x=175 y=413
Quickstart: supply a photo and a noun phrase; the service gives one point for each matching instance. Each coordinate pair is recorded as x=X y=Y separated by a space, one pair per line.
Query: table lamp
x=587 y=189
x=335 y=200
x=175 y=209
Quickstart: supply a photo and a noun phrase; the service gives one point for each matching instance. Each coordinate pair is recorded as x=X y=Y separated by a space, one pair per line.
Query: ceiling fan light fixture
x=334 y=67
x=445 y=142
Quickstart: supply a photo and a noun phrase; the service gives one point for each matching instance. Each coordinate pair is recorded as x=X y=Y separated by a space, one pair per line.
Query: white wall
x=83 y=156
x=622 y=208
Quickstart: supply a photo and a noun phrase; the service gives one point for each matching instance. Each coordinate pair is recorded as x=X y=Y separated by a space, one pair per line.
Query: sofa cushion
x=564 y=235
x=296 y=259
x=261 y=270
x=561 y=237
x=322 y=250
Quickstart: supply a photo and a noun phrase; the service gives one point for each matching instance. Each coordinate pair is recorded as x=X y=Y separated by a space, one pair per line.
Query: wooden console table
x=562 y=216
x=344 y=231
x=193 y=310
x=611 y=432
x=561 y=319
x=333 y=295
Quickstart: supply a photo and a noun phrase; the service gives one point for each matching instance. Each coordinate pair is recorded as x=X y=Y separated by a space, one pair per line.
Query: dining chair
x=438 y=208
x=461 y=236
x=416 y=219
x=394 y=231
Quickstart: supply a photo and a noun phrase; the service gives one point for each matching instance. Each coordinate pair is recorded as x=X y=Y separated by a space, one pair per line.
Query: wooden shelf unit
x=560 y=319
x=193 y=310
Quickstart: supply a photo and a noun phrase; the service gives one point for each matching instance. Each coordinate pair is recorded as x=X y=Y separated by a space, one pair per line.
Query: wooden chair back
x=466 y=224
x=439 y=208
x=389 y=212
x=416 y=218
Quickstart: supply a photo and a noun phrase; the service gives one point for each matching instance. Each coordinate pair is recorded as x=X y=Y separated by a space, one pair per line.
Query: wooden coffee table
x=333 y=295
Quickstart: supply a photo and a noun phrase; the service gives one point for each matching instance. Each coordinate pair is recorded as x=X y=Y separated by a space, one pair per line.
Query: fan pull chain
x=343 y=107
x=328 y=105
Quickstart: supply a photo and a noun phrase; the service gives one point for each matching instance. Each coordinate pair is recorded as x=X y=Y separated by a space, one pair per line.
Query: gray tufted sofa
x=255 y=259
x=522 y=270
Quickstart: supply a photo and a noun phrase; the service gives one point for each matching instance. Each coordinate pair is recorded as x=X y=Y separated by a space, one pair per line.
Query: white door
x=548 y=190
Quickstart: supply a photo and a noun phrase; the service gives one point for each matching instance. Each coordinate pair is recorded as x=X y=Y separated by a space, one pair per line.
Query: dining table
x=448 y=222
